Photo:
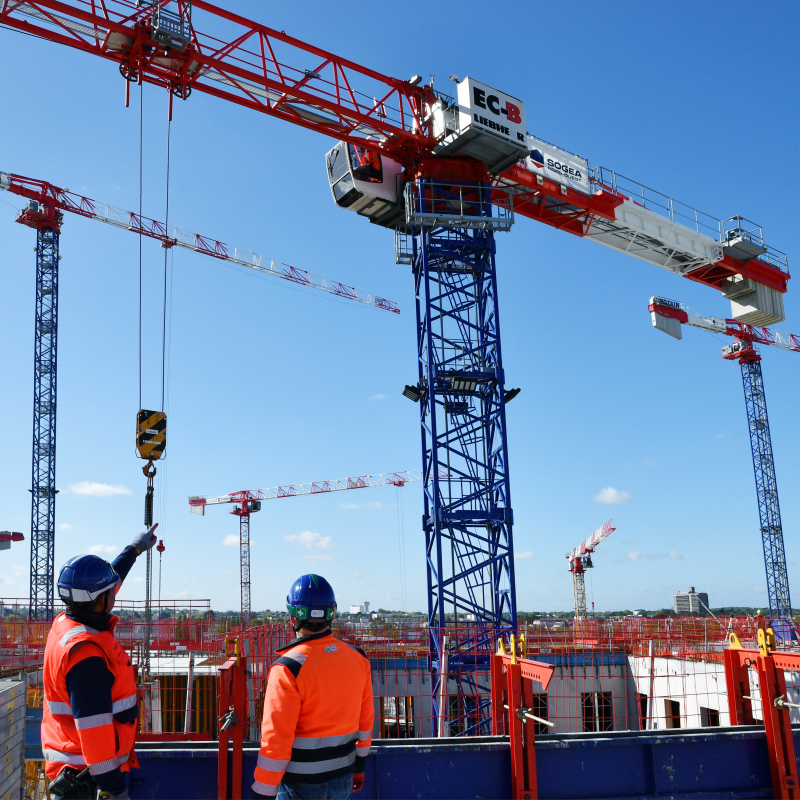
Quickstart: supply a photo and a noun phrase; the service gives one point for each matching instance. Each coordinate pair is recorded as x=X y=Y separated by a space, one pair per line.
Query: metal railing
x=718 y=229
x=659 y=203
x=454 y=205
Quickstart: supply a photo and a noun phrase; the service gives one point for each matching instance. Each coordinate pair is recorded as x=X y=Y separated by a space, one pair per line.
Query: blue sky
x=269 y=384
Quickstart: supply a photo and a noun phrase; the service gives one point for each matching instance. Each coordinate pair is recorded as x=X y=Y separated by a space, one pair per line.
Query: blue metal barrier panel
x=697 y=764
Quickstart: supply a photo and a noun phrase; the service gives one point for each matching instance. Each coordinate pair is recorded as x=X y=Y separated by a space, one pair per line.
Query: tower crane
x=444 y=173
x=44 y=212
x=579 y=560
x=249 y=502
x=668 y=316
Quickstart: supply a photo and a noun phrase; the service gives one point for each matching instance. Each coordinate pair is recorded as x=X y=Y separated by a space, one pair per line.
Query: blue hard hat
x=311 y=598
x=84 y=578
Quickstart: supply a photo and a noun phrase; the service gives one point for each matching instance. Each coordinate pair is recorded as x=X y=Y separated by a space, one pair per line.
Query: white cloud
x=17 y=572
x=231 y=540
x=356 y=506
x=377 y=397
x=317 y=557
x=89 y=489
x=525 y=554
x=135 y=580
x=104 y=550
x=310 y=540
x=722 y=435
x=649 y=462
x=675 y=555
x=65 y=526
x=611 y=496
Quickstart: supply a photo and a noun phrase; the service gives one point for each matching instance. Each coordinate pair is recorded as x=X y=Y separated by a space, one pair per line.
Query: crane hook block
x=151 y=434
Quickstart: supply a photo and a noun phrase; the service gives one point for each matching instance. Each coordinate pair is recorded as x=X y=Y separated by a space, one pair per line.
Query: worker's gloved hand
x=145 y=540
x=358 y=781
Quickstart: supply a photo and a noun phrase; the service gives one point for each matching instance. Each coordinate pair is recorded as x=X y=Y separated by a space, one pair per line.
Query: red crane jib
x=740 y=330
x=258 y=67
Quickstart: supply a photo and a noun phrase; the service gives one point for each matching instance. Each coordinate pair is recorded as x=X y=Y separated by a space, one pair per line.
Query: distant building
x=691 y=602
x=362 y=609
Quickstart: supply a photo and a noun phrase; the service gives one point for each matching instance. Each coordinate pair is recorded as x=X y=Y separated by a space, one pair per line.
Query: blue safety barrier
x=688 y=764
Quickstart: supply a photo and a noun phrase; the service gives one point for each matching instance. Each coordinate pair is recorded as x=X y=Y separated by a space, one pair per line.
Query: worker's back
x=331 y=679
x=318 y=714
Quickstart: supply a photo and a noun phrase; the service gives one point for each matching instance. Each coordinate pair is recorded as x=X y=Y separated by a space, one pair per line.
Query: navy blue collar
x=300 y=639
x=100 y=622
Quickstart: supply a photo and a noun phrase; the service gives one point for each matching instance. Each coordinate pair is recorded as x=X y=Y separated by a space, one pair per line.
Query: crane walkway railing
x=721 y=230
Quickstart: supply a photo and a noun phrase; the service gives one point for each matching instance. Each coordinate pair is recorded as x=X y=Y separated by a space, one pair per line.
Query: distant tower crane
x=45 y=212
x=445 y=174
x=249 y=502
x=668 y=316
x=579 y=560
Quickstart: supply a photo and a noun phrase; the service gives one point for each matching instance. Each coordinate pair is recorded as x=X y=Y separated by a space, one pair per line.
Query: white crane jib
x=592 y=542
x=198 y=502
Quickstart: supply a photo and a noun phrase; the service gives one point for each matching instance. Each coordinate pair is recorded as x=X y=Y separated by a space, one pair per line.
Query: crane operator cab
x=367 y=182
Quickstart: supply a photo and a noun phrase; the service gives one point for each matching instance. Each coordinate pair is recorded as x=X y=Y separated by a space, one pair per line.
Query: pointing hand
x=145 y=540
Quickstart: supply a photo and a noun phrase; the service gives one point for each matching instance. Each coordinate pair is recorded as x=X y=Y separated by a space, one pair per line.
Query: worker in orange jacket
x=90 y=697
x=318 y=714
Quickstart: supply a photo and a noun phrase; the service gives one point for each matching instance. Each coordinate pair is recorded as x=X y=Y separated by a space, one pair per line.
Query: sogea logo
x=565 y=169
x=492 y=104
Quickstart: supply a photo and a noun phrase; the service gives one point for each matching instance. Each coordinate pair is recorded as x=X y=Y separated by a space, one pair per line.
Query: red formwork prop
x=512 y=704
x=769 y=667
x=232 y=721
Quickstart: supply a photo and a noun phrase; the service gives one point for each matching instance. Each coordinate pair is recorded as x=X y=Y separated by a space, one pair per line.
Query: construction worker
x=317 y=726
x=761 y=622
x=90 y=698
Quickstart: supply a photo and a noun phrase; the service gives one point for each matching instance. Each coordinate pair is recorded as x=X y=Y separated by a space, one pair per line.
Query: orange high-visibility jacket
x=318 y=714
x=73 y=737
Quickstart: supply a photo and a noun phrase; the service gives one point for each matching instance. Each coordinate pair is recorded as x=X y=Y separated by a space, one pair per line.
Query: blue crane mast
x=668 y=316
x=769 y=509
x=46 y=220
x=467 y=516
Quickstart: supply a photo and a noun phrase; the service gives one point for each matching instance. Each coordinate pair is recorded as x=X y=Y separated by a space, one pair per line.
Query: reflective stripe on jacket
x=72 y=737
x=318 y=714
